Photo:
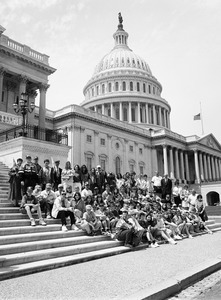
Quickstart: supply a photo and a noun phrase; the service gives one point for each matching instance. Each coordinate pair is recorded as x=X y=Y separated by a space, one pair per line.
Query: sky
x=179 y=39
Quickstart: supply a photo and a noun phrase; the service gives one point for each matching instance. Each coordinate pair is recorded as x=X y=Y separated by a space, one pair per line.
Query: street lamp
x=24 y=108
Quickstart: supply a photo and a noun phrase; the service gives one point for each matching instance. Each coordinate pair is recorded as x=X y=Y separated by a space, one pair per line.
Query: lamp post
x=24 y=108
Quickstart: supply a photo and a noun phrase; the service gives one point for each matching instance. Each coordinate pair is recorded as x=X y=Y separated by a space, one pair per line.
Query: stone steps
x=37 y=266
x=21 y=237
x=24 y=222
x=5 y=231
x=41 y=255
x=32 y=246
x=8 y=210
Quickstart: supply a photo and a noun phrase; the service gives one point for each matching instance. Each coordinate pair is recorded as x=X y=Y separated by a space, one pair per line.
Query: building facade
x=123 y=124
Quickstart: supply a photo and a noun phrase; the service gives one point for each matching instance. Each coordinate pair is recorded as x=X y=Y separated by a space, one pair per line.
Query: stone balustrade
x=10 y=119
x=23 y=49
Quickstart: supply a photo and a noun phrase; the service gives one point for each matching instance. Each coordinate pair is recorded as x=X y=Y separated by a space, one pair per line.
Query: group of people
x=129 y=208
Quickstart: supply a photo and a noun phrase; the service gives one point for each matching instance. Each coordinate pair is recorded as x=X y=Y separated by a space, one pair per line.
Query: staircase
x=213 y=210
x=25 y=249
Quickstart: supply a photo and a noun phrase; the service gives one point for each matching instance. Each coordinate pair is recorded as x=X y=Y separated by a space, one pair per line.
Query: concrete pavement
x=116 y=277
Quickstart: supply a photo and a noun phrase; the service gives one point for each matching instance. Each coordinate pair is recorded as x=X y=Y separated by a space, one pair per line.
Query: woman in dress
x=16 y=174
x=67 y=176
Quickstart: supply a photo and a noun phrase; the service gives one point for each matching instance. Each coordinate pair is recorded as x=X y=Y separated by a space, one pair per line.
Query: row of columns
x=159 y=115
x=207 y=167
x=23 y=88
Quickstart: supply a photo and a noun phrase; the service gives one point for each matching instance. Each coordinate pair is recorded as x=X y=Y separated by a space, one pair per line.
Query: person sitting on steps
x=29 y=205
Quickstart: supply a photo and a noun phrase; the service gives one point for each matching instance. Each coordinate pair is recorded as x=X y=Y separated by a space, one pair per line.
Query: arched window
x=103 y=88
x=149 y=89
x=97 y=90
x=124 y=86
x=138 y=86
x=117 y=165
x=144 y=87
x=116 y=86
x=109 y=87
x=92 y=92
x=131 y=86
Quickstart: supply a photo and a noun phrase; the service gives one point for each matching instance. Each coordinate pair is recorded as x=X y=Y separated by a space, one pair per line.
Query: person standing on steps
x=29 y=205
x=16 y=177
x=30 y=174
x=57 y=174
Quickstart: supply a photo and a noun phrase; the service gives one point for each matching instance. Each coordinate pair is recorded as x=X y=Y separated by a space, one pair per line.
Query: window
x=144 y=87
x=125 y=114
x=3 y=94
x=141 y=169
x=131 y=86
x=131 y=168
x=89 y=138
x=154 y=90
x=103 y=164
x=140 y=150
x=117 y=146
x=131 y=148
x=92 y=92
x=149 y=89
x=133 y=114
x=103 y=88
x=117 y=113
x=138 y=86
x=117 y=165
x=97 y=90
x=116 y=86
x=109 y=87
x=89 y=163
x=103 y=142
x=124 y=86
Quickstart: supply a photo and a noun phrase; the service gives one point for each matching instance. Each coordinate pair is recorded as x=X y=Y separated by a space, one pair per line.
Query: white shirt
x=156 y=180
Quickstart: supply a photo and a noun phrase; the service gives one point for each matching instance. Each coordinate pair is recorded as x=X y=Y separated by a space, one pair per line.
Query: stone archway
x=212 y=198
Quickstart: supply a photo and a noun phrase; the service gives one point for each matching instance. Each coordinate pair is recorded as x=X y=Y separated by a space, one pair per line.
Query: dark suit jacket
x=166 y=186
x=57 y=175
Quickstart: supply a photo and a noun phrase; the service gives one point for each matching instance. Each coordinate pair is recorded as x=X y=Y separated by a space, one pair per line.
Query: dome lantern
x=120 y=35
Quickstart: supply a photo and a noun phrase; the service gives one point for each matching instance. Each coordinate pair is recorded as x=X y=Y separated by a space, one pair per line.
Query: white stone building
x=123 y=124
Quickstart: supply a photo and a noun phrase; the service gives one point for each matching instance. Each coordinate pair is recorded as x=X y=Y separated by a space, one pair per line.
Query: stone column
x=102 y=109
x=187 y=167
x=138 y=112
x=196 y=166
x=177 y=165
x=165 y=159
x=112 y=110
x=143 y=113
x=30 y=116
x=171 y=164
x=164 y=116
x=154 y=115
x=202 y=176
x=218 y=169
x=182 y=166
x=209 y=167
x=126 y=156
x=129 y=113
x=42 y=105
x=96 y=147
x=82 y=143
x=147 y=114
x=110 y=159
x=121 y=111
x=160 y=115
x=22 y=85
x=213 y=168
x=168 y=118
x=205 y=167
x=2 y=73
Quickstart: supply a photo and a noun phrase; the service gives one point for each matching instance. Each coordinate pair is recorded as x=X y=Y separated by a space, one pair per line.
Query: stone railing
x=23 y=49
x=10 y=119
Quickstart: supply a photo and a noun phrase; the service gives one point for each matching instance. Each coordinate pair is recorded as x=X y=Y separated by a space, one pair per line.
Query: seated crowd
x=129 y=208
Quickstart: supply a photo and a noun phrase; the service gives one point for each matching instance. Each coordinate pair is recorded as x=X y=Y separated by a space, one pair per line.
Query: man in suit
x=46 y=174
x=166 y=185
x=57 y=174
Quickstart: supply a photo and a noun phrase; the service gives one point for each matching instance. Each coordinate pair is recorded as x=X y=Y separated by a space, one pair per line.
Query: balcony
x=9 y=120
x=35 y=132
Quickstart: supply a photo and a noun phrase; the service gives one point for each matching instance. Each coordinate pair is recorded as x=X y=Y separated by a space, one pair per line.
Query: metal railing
x=34 y=132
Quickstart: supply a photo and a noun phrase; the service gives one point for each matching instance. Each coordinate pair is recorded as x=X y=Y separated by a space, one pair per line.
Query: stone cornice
x=26 y=59
x=101 y=122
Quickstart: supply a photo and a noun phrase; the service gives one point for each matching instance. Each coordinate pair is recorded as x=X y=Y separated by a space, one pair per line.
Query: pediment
x=210 y=141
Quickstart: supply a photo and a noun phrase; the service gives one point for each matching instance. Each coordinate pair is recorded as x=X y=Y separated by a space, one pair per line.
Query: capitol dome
x=123 y=87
